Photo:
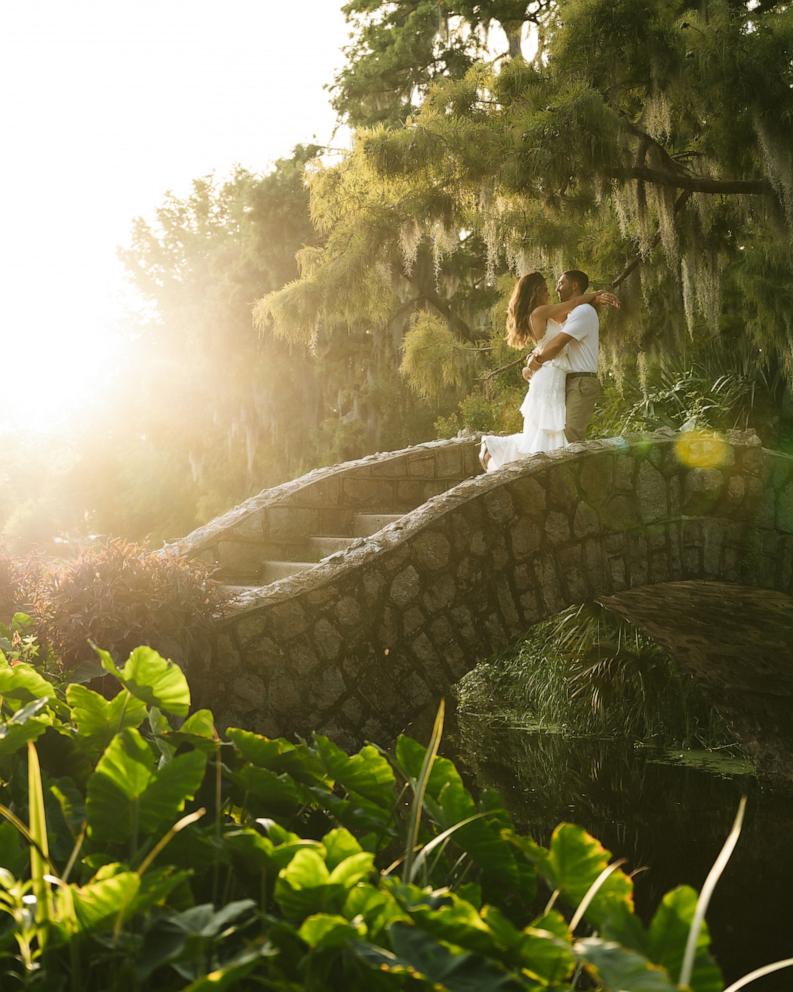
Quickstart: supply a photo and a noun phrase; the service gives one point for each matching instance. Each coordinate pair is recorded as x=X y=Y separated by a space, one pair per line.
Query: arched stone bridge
x=691 y=539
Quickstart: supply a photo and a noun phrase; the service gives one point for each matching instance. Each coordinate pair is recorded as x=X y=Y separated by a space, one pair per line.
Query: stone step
x=272 y=571
x=324 y=546
x=364 y=524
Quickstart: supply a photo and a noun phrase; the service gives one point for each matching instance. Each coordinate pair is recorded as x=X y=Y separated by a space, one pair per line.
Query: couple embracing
x=561 y=370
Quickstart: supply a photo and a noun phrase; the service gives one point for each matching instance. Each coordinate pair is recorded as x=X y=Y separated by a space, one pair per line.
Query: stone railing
x=324 y=501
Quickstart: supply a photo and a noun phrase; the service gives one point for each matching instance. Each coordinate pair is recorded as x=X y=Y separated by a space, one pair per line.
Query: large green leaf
x=21 y=683
x=125 y=793
x=198 y=730
x=575 y=860
x=323 y=931
x=482 y=841
x=377 y=907
x=457 y=922
x=367 y=773
x=621 y=970
x=668 y=935
x=259 y=853
x=544 y=948
x=278 y=755
x=304 y=887
x=155 y=887
x=410 y=757
x=25 y=725
x=71 y=801
x=116 y=786
x=230 y=973
x=99 y=902
x=153 y=679
x=353 y=869
x=307 y=870
x=451 y=970
x=169 y=790
x=100 y=719
x=268 y=793
x=205 y=921
x=14 y=851
x=339 y=844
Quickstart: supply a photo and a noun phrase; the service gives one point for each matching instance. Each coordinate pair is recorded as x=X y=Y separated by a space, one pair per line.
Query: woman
x=531 y=319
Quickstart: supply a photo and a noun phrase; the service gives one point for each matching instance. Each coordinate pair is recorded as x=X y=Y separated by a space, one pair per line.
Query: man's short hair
x=581 y=279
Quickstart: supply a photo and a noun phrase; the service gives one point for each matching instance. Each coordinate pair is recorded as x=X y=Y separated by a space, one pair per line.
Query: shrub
x=120 y=595
x=9 y=586
x=155 y=854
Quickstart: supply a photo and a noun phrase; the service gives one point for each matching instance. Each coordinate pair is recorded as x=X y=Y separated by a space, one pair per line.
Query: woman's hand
x=605 y=299
x=532 y=364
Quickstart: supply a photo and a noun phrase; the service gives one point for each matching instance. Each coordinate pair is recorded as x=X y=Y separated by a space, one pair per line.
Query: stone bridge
x=403 y=570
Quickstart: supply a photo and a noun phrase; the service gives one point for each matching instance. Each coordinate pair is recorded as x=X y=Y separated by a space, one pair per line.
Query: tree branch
x=484 y=379
x=693 y=184
x=455 y=321
x=680 y=202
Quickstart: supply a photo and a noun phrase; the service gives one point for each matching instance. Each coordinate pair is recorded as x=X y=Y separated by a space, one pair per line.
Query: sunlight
x=89 y=158
x=61 y=348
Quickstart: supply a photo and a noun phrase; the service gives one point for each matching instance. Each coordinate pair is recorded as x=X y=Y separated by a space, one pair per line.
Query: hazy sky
x=108 y=104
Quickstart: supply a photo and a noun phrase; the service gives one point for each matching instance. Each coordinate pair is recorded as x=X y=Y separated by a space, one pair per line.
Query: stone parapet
x=368 y=640
x=325 y=500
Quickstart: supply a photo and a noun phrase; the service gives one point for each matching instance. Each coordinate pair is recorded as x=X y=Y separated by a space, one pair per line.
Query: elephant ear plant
x=140 y=850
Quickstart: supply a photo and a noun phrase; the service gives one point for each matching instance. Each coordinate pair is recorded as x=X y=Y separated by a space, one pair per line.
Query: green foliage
x=591 y=672
x=433 y=360
x=292 y=895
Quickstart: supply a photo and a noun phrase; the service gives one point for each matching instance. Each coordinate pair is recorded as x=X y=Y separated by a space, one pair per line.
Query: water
x=671 y=818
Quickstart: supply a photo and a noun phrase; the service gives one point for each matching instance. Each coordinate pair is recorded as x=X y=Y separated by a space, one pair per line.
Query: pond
x=667 y=812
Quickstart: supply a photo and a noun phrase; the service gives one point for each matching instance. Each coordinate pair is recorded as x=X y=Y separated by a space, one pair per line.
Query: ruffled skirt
x=543 y=412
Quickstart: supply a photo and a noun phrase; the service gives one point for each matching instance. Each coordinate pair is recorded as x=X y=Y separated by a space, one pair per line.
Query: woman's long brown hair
x=521 y=304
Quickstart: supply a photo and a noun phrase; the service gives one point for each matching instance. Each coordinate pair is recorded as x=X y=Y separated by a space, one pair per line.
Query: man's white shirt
x=580 y=354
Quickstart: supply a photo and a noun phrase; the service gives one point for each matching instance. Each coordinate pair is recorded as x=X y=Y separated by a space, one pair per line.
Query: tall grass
x=590 y=672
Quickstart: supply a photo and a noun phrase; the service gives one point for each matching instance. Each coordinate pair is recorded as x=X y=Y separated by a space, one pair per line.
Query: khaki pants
x=582 y=392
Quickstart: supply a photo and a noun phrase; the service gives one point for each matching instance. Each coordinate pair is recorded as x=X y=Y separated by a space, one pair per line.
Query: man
x=575 y=351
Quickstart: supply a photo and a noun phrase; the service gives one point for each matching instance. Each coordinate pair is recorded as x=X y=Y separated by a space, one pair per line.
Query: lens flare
x=701 y=449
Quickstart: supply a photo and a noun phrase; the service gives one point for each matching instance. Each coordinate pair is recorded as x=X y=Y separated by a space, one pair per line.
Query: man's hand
x=605 y=299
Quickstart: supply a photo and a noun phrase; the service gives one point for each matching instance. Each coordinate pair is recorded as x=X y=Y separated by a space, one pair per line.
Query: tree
x=647 y=142
x=217 y=400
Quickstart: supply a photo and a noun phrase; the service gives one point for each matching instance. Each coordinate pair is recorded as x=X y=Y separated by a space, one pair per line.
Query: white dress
x=543 y=412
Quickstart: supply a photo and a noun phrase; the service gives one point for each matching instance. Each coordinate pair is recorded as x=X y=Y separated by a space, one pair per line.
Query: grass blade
x=707 y=891
x=39 y=852
x=169 y=836
x=592 y=891
x=14 y=820
x=430 y=846
x=767 y=969
x=419 y=790
x=163 y=842
x=75 y=851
